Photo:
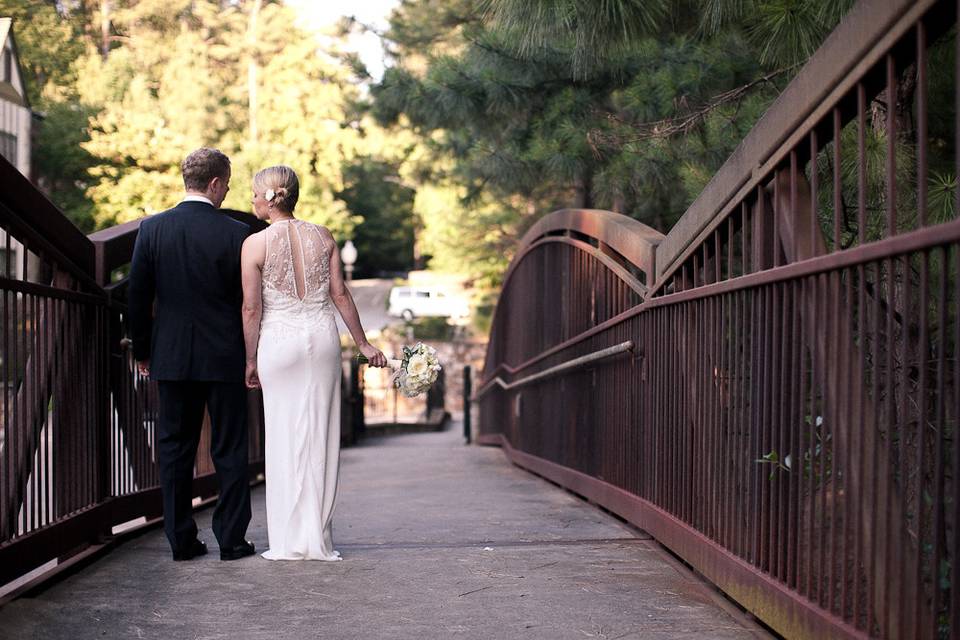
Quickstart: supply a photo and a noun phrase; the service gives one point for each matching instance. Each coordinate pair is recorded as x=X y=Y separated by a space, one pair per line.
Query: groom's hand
x=143 y=366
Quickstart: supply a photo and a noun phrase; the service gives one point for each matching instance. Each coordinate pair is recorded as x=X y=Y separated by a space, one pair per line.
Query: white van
x=413 y=302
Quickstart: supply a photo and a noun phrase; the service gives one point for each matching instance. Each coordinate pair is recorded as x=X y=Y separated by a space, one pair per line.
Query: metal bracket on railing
x=617 y=349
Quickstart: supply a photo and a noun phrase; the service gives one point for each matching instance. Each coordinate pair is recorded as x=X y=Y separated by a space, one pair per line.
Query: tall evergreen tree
x=626 y=105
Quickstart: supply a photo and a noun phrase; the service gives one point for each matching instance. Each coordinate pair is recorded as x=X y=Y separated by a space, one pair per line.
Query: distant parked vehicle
x=421 y=302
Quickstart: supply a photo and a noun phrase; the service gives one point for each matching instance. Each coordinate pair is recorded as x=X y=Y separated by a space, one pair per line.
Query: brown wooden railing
x=77 y=456
x=77 y=422
x=785 y=419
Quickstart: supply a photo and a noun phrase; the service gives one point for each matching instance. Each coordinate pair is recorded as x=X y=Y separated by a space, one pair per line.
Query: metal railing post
x=466 y=403
x=357 y=400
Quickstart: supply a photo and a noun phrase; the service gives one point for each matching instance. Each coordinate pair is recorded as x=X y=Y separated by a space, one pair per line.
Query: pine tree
x=625 y=105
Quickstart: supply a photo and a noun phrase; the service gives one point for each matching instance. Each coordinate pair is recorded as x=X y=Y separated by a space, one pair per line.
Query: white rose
x=417 y=366
x=410 y=387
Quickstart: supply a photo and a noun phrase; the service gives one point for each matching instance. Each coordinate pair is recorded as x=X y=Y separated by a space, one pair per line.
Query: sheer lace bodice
x=296 y=272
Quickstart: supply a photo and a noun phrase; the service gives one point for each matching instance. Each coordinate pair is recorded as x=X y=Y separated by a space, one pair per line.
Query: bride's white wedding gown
x=298 y=361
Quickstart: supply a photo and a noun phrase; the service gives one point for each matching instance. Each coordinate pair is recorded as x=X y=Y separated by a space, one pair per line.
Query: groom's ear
x=217 y=182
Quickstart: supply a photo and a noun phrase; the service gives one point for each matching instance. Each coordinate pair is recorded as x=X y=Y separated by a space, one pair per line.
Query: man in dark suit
x=187 y=261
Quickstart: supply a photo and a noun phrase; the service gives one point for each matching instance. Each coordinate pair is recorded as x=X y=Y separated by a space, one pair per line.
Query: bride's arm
x=343 y=300
x=252 y=257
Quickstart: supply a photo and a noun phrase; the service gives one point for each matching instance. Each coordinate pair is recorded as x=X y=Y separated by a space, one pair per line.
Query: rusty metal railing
x=789 y=422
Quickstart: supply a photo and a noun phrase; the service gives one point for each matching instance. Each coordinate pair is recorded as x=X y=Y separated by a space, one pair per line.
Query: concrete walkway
x=439 y=541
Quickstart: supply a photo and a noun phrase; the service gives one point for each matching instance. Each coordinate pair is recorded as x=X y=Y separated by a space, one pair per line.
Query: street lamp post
x=349 y=256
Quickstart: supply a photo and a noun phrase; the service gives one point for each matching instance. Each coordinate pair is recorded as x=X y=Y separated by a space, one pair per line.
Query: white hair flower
x=269 y=194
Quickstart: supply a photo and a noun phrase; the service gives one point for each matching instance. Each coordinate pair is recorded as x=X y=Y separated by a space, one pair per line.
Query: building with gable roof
x=16 y=120
x=15 y=112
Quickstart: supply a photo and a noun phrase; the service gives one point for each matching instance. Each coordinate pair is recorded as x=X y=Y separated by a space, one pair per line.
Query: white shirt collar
x=192 y=198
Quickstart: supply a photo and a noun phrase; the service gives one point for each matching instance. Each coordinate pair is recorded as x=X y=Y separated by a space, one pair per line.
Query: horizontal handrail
x=33 y=218
x=623 y=347
x=48 y=291
x=114 y=246
x=942 y=234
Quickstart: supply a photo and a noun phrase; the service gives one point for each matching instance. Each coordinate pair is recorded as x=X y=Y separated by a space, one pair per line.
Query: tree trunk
x=619 y=203
x=252 y=69
x=902 y=105
x=583 y=198
x=105 y=28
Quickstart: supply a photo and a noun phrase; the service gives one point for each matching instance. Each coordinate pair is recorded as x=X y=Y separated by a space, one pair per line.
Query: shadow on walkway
x=439 y=541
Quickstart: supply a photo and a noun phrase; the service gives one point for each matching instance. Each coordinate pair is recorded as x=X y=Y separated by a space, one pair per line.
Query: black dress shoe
x=237 y=551
x=192 y=550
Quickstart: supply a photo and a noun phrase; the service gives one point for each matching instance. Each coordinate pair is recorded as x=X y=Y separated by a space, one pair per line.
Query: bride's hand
x=252 y=379
x=374 y=356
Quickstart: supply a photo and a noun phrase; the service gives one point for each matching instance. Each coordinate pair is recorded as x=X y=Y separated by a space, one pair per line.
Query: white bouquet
x=416 y=372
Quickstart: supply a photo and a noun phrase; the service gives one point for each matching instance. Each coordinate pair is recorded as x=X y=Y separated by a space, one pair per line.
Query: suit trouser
x=181 y=419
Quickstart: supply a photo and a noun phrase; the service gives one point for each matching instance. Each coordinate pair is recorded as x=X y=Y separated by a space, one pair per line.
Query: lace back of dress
x=296 y=263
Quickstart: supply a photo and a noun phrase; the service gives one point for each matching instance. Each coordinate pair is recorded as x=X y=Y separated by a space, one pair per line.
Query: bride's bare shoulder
x=257 y=238
x=255 y=244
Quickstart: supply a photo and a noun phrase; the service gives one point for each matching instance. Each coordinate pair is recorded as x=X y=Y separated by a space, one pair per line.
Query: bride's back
x=297 y=264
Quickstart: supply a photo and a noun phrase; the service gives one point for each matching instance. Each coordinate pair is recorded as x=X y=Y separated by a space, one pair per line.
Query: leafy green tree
x=60 y=161
x=164 y=97
x=49 y=42
x=385 y=239
x=239 y=76
x=128 y=87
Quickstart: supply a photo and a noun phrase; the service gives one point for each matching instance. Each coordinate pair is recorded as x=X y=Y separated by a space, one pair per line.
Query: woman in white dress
x=292 y=280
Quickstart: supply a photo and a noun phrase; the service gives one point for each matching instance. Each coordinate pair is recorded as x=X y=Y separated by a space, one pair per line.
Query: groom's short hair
x=202 y=166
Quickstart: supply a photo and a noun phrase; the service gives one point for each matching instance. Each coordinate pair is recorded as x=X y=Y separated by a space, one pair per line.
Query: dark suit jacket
x=188 y=260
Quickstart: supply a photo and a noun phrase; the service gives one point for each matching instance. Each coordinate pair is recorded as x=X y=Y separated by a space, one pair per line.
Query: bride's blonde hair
x=283 y=180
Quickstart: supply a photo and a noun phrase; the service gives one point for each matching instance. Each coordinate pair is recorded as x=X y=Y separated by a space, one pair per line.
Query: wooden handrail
x=37 y=223
x=113 y=247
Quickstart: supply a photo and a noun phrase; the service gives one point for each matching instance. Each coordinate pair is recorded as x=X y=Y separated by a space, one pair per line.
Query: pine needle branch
x=677 y=125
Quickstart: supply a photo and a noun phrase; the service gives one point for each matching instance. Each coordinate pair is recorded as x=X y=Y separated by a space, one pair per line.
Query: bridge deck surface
x=439 y=541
